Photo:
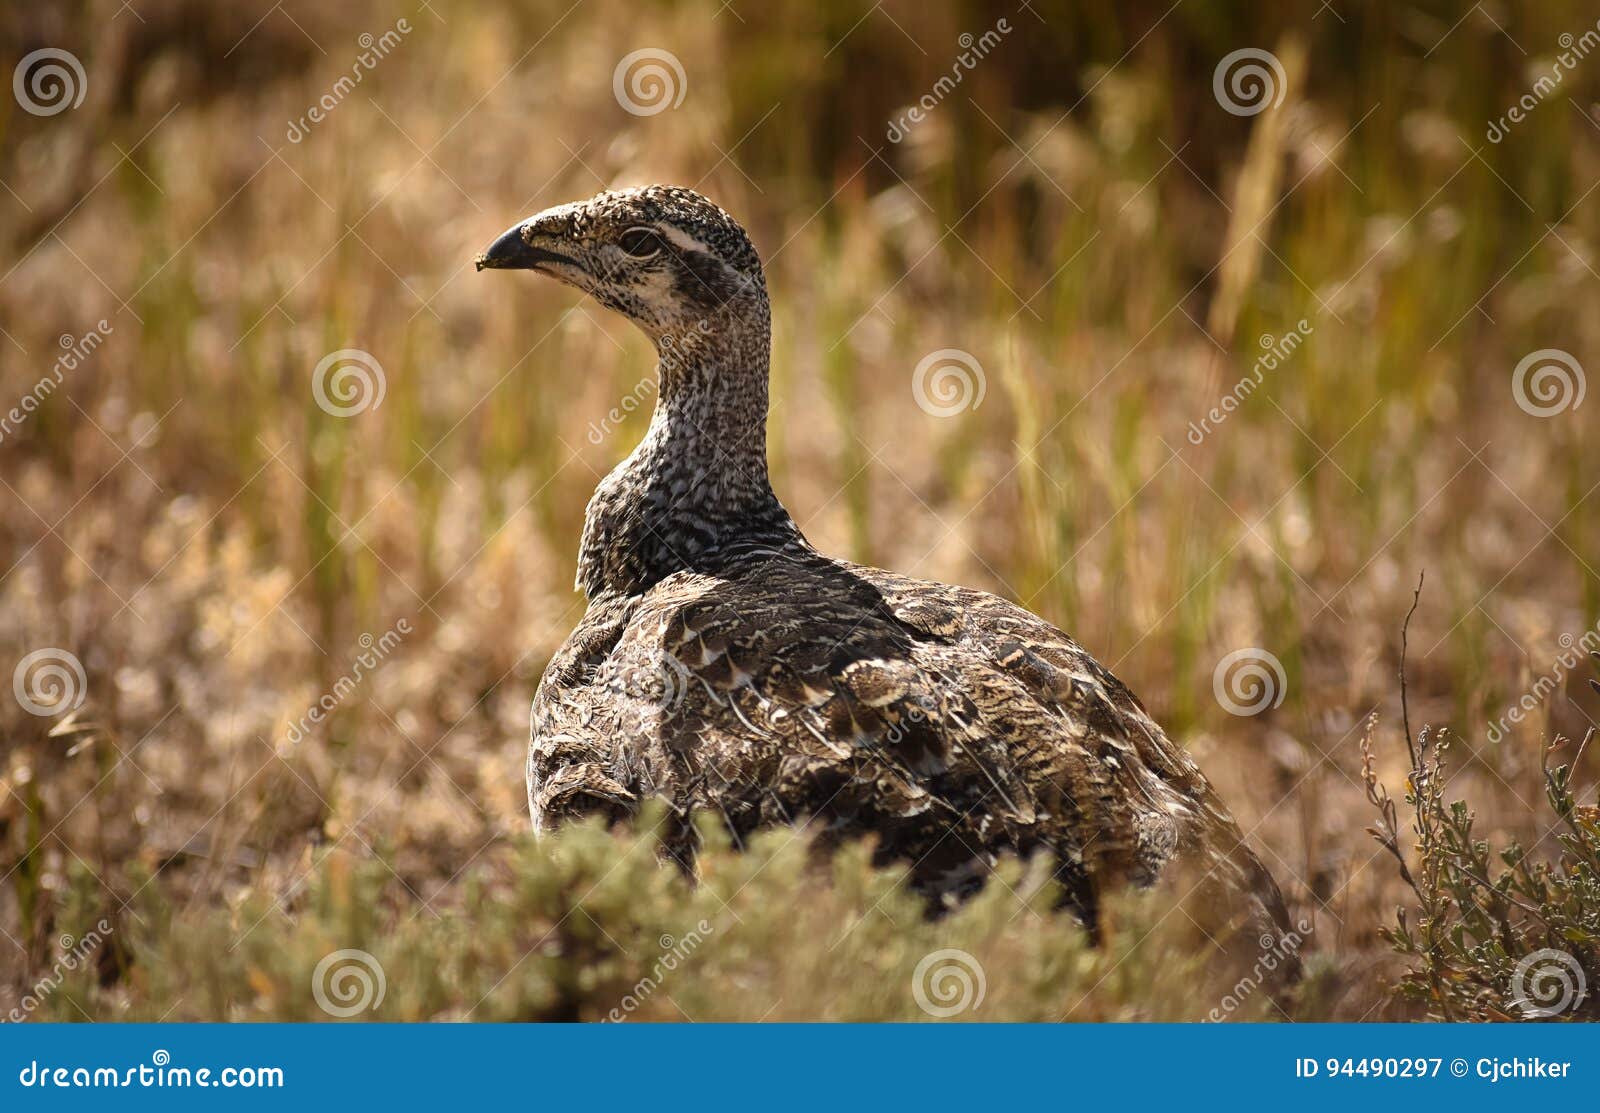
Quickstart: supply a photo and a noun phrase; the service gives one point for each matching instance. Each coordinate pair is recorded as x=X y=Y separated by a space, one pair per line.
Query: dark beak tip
x=512 y=251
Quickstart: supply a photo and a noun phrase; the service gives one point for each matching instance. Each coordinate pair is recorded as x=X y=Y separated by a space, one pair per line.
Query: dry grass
x=211 y=545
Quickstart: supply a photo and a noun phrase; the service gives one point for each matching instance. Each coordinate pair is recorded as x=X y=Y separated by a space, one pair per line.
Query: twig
x=1405 y=707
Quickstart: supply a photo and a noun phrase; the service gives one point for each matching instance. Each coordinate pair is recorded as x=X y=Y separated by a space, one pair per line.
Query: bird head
x=665 y=257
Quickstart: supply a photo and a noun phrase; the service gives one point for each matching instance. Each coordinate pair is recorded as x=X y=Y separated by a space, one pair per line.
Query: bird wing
x=951 y=725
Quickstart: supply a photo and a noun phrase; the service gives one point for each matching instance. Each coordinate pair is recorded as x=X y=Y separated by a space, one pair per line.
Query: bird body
x=725 y=665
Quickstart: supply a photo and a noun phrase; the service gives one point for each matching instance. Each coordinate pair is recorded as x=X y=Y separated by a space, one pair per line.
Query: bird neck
x=697 y=483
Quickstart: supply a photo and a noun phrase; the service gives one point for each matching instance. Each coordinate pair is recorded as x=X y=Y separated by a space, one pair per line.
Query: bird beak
x=513 y=251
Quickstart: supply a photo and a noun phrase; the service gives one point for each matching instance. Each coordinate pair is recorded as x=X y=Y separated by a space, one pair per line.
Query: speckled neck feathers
x=695 y=489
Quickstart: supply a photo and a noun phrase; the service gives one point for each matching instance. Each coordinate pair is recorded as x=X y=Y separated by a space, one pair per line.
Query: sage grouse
x=724 y=663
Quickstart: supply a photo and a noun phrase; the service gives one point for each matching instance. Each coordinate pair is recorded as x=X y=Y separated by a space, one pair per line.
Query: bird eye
x=641 y=243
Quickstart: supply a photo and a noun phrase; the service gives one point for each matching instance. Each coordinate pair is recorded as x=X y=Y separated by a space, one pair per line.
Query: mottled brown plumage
x=726 y=665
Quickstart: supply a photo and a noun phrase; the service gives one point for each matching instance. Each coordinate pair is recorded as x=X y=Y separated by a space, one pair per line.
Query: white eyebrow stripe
x=682 y=238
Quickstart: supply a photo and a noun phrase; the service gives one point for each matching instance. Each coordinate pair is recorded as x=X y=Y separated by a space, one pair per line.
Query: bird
x=726 y=666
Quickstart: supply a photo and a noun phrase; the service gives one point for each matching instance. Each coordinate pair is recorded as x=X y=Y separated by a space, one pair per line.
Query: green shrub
x=588 y=925
x=1504 y=935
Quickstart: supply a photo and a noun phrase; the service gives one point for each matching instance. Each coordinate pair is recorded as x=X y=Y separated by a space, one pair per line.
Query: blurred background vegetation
x=1080 y=213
